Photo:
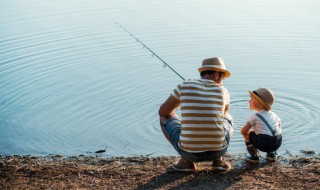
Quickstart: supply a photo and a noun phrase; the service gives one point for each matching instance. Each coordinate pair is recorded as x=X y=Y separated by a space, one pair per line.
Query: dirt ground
x=144 y=172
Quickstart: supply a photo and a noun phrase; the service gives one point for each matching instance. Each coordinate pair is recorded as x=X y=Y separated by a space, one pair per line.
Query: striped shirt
x=202 y=104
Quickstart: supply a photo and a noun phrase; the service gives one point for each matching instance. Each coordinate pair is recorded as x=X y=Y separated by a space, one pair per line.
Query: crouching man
x=205 y=128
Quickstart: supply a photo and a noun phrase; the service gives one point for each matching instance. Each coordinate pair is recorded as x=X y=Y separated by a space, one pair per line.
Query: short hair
x=209 y=72
x=260 y=103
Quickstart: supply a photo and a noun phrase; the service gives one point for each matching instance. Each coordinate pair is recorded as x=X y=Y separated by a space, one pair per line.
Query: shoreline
x=144 y=172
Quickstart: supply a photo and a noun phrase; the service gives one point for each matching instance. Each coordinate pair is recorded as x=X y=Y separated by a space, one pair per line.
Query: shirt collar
x=207 y=81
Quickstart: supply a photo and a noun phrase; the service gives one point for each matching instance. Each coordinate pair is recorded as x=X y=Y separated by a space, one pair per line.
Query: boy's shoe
x=252 y=159
x=271 y=156
x=183 y=166
x=221 y=165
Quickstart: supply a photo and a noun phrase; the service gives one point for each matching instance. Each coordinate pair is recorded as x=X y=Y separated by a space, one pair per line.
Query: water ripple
x=72 y=81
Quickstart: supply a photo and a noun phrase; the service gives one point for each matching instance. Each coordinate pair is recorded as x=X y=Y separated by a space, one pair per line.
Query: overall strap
x=272 y=131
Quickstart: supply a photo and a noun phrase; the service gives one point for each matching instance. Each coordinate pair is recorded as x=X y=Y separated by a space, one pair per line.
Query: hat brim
x=215 y=69
x=260 y=100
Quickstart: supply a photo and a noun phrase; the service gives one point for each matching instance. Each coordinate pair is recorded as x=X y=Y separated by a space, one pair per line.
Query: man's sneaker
x=252 y=159
x=221 y=165
x=271 y=156
x=183 y=166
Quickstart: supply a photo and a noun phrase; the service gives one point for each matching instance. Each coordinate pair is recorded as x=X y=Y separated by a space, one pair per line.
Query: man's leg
x=162 y=120
x=220 y=163
x=171 y=128
x=229 y=126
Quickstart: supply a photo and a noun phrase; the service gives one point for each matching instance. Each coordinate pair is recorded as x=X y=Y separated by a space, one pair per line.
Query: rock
x=308 y=151
x=100 y=151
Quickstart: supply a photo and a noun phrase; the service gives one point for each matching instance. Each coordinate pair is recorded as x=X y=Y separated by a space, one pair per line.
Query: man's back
x=202 y=104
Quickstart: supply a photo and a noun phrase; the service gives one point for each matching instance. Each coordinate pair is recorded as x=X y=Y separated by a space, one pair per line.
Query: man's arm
x=168 y=108
x=226 y=109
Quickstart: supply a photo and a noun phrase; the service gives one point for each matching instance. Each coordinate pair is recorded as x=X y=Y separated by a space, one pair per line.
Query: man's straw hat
x=265 y=96
x=214 y=64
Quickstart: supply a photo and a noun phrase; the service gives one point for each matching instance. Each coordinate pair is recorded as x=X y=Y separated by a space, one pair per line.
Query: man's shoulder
x=225 y=89
x=191 y=82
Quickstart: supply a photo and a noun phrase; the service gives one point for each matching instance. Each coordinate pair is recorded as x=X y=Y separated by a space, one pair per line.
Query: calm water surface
x=73 y=82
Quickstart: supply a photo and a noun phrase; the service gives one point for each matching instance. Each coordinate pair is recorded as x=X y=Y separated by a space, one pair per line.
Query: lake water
x=73 y=82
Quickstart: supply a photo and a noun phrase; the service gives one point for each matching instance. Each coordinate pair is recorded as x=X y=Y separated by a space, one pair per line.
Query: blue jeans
x=172 y=128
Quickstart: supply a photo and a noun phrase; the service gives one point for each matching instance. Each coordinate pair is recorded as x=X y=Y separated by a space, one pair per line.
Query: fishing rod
x=153 y=53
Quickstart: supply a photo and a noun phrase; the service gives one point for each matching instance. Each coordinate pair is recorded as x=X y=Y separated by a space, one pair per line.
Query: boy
x=266 y=133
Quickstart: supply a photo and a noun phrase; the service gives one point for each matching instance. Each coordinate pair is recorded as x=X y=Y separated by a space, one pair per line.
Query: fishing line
x=153 y=53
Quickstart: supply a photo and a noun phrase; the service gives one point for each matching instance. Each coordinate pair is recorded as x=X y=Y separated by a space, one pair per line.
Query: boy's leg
x=253 y=153
x=271 y=156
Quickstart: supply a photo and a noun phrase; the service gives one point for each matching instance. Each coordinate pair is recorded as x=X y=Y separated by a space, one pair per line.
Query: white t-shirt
x=260 y=127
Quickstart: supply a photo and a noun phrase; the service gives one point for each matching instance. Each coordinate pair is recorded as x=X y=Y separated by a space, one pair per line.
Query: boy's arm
x=245 y=129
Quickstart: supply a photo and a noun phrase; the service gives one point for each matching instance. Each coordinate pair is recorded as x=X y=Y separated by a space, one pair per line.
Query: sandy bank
x=87 y=172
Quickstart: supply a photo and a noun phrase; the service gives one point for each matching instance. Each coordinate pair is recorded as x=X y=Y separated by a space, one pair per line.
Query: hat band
x=254 y=92
x=213 y=66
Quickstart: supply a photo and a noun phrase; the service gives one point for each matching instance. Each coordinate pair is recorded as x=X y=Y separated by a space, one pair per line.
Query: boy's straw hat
x=214 y=64
x=265 y=96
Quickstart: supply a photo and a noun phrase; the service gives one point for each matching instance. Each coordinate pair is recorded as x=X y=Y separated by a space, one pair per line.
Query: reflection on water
x=73 y=82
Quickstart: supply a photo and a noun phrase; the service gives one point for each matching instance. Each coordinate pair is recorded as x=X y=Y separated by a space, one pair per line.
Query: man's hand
x=226 y=109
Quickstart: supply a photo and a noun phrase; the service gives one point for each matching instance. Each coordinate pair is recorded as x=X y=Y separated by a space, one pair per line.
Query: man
x=205 y=128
